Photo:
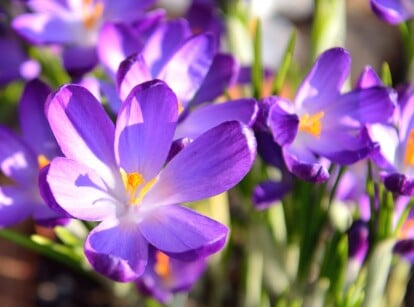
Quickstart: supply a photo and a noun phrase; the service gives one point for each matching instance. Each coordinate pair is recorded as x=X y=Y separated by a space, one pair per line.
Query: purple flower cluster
x=175 y=137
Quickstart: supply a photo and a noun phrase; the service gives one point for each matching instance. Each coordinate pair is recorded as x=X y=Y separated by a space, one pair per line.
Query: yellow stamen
x=91 y=13
x=409 y=149
x=135 y=184
x=311 y=123
x=42 y=161
x=162 y=265
x=180 y=107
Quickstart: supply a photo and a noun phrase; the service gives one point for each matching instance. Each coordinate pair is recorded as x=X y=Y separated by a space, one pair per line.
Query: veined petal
x=210 y=165
x=302 y=163
x=183 y=233
x=387 y=138
x=117 y=250
x=188 y=66
x=283 y=125
x=17 y=160
x=343 y=145
x=370 y=105
x=33 y=123
x=80 y=191
x=132 y=72
x=15 y=205
x=115 y=43
x=145 y=128
x=163 y=42
x=222 y=74
x=82 y=129
x=325 y=80
x=208 y=116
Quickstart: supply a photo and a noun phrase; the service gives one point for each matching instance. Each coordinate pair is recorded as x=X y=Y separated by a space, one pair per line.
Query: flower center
x=311 y=123
x=42 y=161
x=91 y=12
x=162 y=265
x=409 y=149
x=136 y=186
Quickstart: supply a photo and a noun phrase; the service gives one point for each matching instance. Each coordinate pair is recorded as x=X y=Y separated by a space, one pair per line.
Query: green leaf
x=386 y=74
x=257 y=71
x=67 y=237
x=285 y=65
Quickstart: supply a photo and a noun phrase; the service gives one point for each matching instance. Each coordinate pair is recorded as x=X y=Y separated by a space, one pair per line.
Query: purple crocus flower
x=189 y=64
x=194 y=73
x=21 y=158
x=165 y=275
x=74 y=24
x=323 y=122
x=393 y=11
x=396 y=154
x=117 y=176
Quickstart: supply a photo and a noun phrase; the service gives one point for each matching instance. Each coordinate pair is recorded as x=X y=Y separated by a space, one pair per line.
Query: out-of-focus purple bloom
x=21 y=159
x=204 y=16
x=14 y=63
x=358 y=246
x=323 y=122
x=74 y=24
x=165 y=275
x=117 y=41
x=393 y=11
x=395 y=156
x=117 y=176
x=270 y=191
x=188 y=63
x=197 y=75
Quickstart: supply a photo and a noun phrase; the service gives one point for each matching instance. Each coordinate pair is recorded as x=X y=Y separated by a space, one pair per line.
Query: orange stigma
x=311 y=123
x=42 y=161
x=162 y=265
x=135 y=186
x=409 y=149
x=92 y=12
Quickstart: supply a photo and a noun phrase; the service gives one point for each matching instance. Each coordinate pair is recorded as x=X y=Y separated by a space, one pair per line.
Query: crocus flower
x=199 y=80
x=395 y=156
x=116 y=175
x=393 y=11
x=323 y=122
x=189 y=64
x=74 y=24
x=165 y=275
x=21 y=158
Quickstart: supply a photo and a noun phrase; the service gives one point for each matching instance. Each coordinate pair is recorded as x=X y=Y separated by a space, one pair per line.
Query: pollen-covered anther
x=311 y=123
x=92 y=12
x=162 y=265
x=409 y=149
x=42 y=161
x=136 y=186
